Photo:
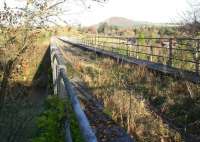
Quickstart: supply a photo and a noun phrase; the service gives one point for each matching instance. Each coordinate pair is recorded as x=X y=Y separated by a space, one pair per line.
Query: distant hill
x=126 y=23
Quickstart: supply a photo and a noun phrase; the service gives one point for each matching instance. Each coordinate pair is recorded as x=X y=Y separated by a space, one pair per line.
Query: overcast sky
x=138 y=10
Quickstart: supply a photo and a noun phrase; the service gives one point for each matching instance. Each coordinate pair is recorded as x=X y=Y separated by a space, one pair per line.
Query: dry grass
x=127 y=106
x=127 y=92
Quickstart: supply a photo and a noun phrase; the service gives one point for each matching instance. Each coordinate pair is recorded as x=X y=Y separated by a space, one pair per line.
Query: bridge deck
x=177 y=73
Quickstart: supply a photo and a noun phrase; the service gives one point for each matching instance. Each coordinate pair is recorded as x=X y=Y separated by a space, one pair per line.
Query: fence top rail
x=135 y=37
x=156 y=46
x=57 y=55
x=83 y=122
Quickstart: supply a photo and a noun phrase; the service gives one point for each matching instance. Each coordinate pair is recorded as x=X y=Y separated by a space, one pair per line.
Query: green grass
x=51 y=122
x=107 y=111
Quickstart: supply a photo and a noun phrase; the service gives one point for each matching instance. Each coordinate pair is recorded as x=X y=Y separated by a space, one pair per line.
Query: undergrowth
x=51 y=122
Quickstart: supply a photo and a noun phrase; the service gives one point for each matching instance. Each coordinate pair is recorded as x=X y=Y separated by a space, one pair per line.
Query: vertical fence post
x=55 y=77
x=149 y=46
x=90 y=41
x=83 y=40
x=61 y=93
x=137 y=50
x=61 y=86
x=169 y=63
x=119 y=45
x=95 y=40
x=111 y=44
x=197 y=58
x=127 y=45
x=114 y=44
x=130 y=48
x=68 y=137
x=86 y=40
x=92 y=38
x=98 y=41
x=151 y=52
x=103 y=42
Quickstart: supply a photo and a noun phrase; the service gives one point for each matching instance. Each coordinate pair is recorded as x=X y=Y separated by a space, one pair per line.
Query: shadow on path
x=23 y=103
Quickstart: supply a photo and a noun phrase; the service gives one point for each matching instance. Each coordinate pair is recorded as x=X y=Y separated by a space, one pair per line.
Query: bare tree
x=191 y=18
x=18 y=24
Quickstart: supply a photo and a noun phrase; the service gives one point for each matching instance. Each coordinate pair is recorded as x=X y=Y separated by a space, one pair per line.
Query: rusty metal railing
x=181 y=53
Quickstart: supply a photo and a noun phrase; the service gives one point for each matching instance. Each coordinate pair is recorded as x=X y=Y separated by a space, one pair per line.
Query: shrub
x=51 y=121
